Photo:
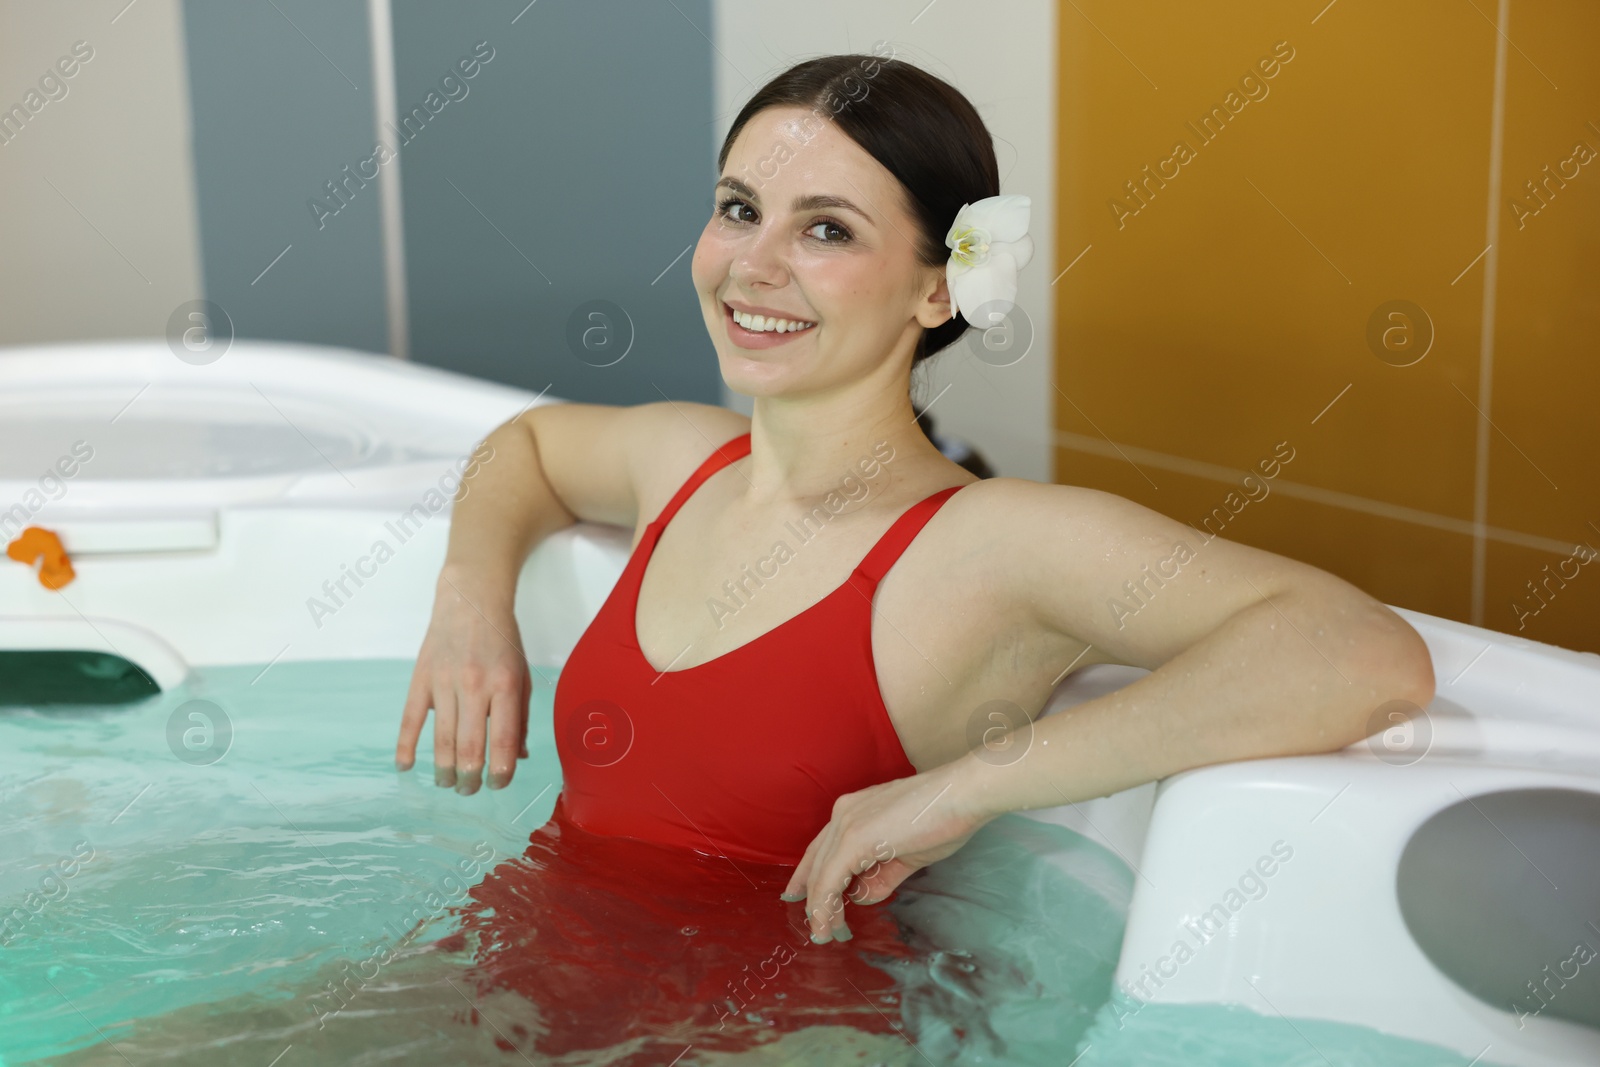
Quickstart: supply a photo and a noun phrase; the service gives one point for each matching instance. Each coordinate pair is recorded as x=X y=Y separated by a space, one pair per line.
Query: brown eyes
x=724 y=204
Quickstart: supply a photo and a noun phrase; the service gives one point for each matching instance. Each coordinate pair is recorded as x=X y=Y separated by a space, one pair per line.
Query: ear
x=935 y=307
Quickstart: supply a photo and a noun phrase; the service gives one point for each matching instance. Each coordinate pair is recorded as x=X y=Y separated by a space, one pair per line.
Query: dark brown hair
x=919 y=127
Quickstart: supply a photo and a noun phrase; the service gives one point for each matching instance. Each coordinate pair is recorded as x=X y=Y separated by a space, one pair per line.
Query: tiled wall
x=568 y=167
x=584 y=149
x=96 y=180
x=1216 y=313
x=556 y=197
x=282 y=97
x=1333 y=265
x=224 y=150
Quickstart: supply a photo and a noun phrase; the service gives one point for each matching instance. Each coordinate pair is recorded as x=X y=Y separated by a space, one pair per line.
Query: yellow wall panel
x=1544 y=596
x=1546 y=379
x=1310 y=264
x=1426 y=561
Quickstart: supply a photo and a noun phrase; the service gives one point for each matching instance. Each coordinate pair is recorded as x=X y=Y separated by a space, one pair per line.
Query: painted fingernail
x=792 y=898
x=820 y=939
x=444 y=777
x=498 y=780
x=842 y=934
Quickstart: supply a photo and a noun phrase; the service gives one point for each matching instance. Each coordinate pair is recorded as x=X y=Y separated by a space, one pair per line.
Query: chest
x=943 y=642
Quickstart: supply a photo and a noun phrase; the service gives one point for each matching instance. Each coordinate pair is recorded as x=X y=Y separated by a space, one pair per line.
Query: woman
x=816 y=704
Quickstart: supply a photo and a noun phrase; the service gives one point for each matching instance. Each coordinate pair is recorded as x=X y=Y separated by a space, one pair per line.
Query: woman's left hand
x=877 y=837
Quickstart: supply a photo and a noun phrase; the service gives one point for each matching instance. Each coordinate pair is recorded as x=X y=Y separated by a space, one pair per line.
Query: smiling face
x=825 y=240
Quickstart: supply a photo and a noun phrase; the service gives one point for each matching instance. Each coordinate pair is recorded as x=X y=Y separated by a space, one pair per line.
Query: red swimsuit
x=625 y=942
x=743 y=755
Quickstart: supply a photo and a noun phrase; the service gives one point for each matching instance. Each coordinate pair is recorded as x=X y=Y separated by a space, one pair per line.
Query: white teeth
x=765 y=324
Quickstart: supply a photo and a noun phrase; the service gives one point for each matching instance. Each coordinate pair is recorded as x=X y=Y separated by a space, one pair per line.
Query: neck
x=803 y=447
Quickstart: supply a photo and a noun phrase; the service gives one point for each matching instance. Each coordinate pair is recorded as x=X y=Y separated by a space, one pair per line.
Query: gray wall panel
x=282 y=97
x=576 y=167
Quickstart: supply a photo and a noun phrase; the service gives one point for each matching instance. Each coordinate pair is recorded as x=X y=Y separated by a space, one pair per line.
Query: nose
x=761 y=260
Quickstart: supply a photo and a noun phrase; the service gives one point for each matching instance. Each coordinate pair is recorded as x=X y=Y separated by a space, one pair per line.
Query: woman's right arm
x=549 y=467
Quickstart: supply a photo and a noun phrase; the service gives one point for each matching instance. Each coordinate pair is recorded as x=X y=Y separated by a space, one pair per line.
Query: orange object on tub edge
x=37 y=543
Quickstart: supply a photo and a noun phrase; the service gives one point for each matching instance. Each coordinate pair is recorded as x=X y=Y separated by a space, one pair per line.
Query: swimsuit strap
x=882 y=555
x=737 y=448
x=897 y=537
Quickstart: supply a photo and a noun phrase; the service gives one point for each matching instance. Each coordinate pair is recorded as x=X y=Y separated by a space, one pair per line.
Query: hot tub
x=302 y=494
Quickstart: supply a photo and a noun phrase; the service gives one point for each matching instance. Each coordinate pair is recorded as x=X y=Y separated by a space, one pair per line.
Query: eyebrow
x=814 y=202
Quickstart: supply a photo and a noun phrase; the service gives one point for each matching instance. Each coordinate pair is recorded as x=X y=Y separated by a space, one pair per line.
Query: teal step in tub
x=210 y=858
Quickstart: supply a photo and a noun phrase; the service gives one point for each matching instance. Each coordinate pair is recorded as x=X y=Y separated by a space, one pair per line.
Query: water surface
x=235 y=869
x=235 y=873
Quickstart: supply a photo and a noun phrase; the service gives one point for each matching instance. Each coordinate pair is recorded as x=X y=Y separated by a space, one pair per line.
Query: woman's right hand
x=472 y=673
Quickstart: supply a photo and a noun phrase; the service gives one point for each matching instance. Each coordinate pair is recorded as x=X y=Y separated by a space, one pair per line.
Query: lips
x=759 y=339
x=770 y=316
x=771 y=313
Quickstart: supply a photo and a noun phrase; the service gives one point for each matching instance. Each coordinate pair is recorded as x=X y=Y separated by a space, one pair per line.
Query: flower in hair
x=988 y=244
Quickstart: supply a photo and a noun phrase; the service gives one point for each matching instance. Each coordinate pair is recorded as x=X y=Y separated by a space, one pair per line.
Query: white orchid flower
x=988 y=244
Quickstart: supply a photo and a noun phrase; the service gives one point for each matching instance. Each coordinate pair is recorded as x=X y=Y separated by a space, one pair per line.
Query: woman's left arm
x=1251 y=655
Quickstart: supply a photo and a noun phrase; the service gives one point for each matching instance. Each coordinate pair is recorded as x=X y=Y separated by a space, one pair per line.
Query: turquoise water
x=1205 y=1035
x=209 y=882
x=195 y=878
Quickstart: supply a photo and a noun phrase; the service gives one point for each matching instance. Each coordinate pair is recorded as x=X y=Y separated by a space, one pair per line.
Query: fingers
x=824 y=886
x=795 y=891
x=472 y=720
x=419 y=698
x=478 y=690
x=864 y=879
x=825 y=899
x=444 y=737
x=523 y=702
x=879 y=881
x=820 y=911
x=505 y=737
x=834 y=871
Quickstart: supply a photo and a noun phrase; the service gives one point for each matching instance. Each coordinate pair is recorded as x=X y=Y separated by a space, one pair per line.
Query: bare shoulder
x=1134 y=583
x=669 y=439
x=1018 y=512
x=1010 y=532
x=1017 y=496
x=1073 y=530
x=608 y=463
